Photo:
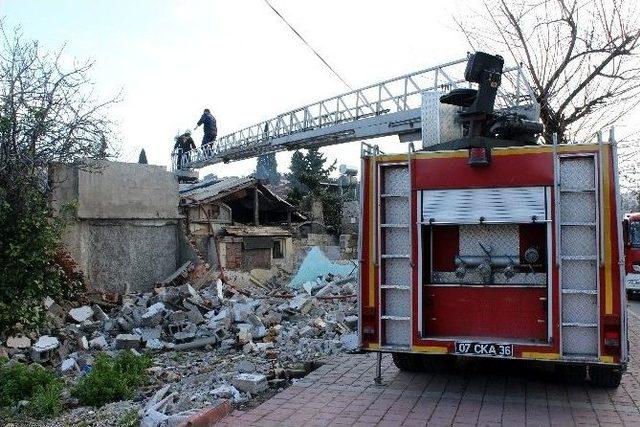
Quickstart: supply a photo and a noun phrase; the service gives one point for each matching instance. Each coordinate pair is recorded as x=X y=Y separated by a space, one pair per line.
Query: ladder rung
x=579 y=257
x=580 y=291
x=401 y=287
x=579 y=325
x=577 y=190
x=394 y=225
x=587 y=224
x=394 y=256
x=399 y=318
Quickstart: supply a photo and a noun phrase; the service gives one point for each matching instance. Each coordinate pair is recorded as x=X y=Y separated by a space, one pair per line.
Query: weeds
x=33 y=383
x=129 y=419
x=112 y=379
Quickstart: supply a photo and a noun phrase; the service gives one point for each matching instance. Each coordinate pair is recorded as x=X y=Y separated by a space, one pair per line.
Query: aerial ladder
x=390 y=107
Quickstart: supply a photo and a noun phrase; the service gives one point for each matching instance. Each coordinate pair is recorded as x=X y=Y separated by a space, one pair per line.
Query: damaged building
x=239 y=223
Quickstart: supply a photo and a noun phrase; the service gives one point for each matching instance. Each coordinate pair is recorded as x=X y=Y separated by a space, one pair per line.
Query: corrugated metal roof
x=246 y=230
x=212 y=189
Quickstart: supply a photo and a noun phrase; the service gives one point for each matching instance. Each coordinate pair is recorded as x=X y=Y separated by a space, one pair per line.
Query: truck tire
x=407 y=362
x=437 y=364
x=605 y=376
x=574 y=374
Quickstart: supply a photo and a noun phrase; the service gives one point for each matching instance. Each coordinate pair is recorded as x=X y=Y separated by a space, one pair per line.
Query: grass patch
x=33 y=383
x=112 y=379
x=129 y=419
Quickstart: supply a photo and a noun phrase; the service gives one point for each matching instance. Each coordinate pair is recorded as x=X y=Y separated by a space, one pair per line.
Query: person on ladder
x=209 y=127
x=183 y=144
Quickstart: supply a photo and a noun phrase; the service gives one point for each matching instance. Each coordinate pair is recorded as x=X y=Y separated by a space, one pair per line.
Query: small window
x=278 y=249
x=634 y=234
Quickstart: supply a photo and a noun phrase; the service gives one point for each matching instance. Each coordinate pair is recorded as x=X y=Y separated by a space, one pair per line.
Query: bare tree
x=581 y=56
x=48 y=111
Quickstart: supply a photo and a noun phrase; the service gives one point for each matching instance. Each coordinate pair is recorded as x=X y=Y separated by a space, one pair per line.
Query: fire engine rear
x=486 y=244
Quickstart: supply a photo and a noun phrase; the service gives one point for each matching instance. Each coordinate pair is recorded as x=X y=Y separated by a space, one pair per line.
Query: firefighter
x=183 y=144
x=209 y=127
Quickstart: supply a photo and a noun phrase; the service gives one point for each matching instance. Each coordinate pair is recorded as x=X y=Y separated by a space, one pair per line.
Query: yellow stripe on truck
x=606 y=223
x=538 y=355
x=372 y=254
x=430 y=349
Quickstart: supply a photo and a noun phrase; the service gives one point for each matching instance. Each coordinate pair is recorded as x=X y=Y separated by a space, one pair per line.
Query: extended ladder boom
x=391 y=107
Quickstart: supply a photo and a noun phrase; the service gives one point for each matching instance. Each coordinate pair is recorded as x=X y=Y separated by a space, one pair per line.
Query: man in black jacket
x=183 y=144
x=209 y=127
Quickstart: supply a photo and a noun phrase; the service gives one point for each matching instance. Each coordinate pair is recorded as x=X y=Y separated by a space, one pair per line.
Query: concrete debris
x=81 y=314
x=46 y=343
x=250 y=383
x=99 y=343
x=18 y=342
x=68 y=364
x=228 y=392
x=128 y=341
x=210 y=340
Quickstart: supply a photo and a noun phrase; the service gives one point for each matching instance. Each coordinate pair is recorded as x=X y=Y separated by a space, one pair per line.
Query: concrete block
x=68 y=364
x=99 y=343
x=128 y=341
x=18 y=342
x=153 y=316
x=42 y=350
x=81 y=314
x=154 y=344
x=245 y=366
x=250 y=383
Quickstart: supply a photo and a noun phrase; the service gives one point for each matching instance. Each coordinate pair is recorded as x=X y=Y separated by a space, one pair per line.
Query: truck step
x=394 y=195
x=577 y=190
x=401 y=287
x=580 y=291
x=579 y=325
x=399 y=318
x=579 y=257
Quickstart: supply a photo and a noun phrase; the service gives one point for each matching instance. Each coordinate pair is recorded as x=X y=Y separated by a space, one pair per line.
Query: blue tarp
x=317 y=264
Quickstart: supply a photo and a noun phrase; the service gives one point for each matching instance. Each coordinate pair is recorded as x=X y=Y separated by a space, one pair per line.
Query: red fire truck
x=485 y=243
x=631 y=227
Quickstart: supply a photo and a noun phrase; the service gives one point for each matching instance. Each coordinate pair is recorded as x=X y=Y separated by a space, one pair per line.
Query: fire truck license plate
x=485 y=349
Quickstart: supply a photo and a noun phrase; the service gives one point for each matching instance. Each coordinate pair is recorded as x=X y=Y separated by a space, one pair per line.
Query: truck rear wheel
x=422 y=363
x=407 y=362
x=605 y=376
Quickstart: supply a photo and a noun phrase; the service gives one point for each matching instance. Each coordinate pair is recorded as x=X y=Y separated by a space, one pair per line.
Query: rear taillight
x=612 y=335
x=612 y=339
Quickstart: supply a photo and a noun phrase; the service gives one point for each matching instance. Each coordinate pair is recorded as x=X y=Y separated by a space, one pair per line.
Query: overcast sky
x=174 y=58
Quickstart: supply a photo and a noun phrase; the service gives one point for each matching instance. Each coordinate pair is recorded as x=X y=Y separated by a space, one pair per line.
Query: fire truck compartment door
x=484 y=205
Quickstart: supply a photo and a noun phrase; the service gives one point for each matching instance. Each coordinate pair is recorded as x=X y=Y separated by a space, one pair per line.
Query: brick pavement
x=342 y=392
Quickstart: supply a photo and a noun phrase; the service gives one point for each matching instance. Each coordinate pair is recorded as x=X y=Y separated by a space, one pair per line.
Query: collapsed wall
x=123 y=222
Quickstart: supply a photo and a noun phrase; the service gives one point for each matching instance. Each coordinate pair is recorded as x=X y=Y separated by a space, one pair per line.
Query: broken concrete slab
x=68 y=364
x=245 y=366
x=18 y=342
x=153 y=316
x=99 y=343
x=128 y=341
x=226 y=391
x=81 y=314
x=250 y=383
x=42 y=350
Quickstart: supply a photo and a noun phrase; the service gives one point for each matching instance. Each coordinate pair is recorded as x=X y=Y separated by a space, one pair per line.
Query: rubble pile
x=256 y=337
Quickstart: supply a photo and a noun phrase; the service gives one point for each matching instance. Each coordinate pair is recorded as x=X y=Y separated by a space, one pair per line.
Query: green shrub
x=46 y=400
x=39 y=386
x=29 y=242
x=112 y=379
